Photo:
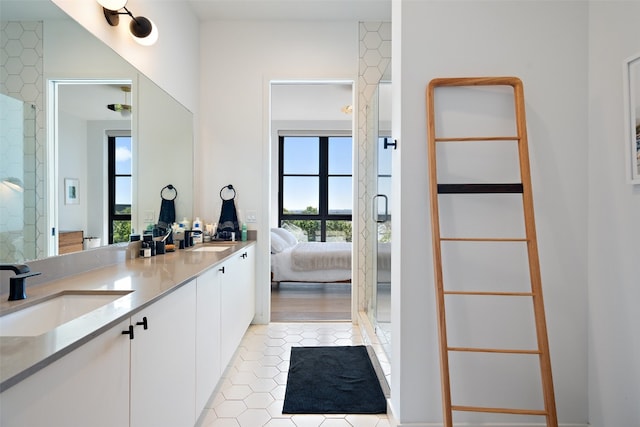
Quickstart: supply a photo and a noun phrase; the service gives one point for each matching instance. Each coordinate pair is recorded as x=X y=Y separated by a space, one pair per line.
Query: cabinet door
x=237 y=301
x=163 y=361
x=208 y=368
x=87 y=387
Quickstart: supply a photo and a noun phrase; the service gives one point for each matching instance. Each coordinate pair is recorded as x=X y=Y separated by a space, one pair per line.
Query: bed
x=320 y=262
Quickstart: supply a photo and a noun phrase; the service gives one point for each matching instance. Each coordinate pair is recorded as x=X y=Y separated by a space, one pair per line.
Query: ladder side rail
x=447 y=416
x=534 y=263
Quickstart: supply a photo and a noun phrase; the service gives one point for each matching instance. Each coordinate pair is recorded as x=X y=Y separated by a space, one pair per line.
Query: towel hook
x=229 y=187
x=169 y=187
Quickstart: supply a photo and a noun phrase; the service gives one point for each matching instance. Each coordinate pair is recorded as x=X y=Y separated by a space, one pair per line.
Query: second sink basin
x=42 y=317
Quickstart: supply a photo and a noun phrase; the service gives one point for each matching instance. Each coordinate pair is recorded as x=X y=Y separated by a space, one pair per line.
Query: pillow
x=297 y=232
x=286 y=235
x=277 y=244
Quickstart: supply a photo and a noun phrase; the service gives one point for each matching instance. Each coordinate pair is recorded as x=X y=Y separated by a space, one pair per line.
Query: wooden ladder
x=523 y=187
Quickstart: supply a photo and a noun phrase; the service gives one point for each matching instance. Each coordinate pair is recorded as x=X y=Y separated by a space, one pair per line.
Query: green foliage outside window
x=337 y=230
x=121 y=231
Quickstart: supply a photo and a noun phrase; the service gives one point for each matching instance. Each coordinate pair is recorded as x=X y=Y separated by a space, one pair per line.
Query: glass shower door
x=382 y=216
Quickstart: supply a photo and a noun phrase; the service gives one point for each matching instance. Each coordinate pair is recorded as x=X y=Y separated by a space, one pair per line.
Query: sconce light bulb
x=143 y=31
x=113 y=4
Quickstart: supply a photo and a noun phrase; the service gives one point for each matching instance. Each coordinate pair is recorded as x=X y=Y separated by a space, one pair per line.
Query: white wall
x=545 y=44
x=172 y=62
x=72 y=163
x=238 y=60
x=614 y=226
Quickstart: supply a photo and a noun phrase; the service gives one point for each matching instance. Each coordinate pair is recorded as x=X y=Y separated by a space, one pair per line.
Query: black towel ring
x=228 y=187
x=169 y=187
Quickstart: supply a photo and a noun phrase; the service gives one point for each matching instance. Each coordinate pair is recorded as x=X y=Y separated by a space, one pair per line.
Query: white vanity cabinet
x=87 y=387
x=238 y=301
x=162 y=361
x=208 y=368
x=114 y=380
x=163 y=377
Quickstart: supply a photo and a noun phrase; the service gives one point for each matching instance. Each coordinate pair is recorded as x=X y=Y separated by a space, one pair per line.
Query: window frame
x=111 y=179
x=323 y=175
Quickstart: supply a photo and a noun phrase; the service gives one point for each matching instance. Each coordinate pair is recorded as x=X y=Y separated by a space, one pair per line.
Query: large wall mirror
x=57 y=83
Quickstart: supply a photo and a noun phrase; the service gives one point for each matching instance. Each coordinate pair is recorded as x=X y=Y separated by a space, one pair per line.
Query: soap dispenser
x=197 y=230
x=185 y=223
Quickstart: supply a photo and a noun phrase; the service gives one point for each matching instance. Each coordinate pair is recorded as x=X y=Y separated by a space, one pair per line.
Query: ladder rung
x=478 y=138
x=493 y=350
x=484 y=239
x=506 y=294
x=499 y=410
x=479 y=188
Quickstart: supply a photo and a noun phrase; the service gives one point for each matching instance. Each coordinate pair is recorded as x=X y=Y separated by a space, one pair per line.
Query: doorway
x=312 y=148
x=83 y=113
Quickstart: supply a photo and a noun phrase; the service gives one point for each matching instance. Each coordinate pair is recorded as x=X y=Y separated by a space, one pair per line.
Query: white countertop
x=148 y=278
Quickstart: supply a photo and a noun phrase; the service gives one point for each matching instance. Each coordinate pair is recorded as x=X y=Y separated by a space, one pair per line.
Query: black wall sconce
x=142 y=29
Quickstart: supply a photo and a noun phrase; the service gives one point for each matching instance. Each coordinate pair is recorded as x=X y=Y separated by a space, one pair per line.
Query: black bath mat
x=332 y=380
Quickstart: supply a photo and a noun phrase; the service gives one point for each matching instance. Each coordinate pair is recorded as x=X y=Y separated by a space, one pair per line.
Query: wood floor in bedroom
x=308 y=302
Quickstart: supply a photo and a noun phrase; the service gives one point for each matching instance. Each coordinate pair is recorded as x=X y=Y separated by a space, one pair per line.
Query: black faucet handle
x=25 y=275
x=16 y=268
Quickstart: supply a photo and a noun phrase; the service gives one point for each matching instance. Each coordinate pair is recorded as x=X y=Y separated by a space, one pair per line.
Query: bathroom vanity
x=150 y=351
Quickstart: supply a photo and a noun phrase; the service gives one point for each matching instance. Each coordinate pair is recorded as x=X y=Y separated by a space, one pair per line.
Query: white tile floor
x=252 y=391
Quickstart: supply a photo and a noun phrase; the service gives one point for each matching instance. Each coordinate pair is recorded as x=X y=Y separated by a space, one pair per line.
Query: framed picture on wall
x=71 y=191
x=631 y=79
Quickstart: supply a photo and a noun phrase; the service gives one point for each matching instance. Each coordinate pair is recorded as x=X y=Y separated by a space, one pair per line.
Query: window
x=119 y=188
x=315 y=175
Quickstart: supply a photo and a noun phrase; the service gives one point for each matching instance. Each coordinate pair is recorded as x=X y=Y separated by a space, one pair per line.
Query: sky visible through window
x=301 y=156
x=123 y=166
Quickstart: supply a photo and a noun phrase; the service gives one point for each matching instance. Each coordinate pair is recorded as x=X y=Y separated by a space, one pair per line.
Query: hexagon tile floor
x=252 y=391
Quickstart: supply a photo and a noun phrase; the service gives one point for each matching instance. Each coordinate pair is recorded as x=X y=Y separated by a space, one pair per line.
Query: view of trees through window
x=315 y=197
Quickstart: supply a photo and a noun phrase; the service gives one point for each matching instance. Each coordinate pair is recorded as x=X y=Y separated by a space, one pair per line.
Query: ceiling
x=300 y=10
x=89 y=101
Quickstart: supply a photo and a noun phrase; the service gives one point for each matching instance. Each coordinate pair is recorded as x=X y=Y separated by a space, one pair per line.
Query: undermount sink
x=211 y=248
x=44 y=316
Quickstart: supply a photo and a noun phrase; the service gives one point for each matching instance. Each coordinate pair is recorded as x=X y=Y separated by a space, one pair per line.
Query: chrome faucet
x=17 y=283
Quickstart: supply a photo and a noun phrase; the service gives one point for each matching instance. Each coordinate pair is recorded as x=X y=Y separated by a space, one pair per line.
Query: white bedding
x=323 y=262
x=308 y=256
x=332 y=266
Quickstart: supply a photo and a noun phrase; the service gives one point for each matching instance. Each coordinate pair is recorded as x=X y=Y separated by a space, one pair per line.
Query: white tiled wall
x=375 y=60
x=21 y=70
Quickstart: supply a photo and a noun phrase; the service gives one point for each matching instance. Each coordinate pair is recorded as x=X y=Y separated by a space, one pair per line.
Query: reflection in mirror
x=92 y=141
x=17 y=175
x=43 y=44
